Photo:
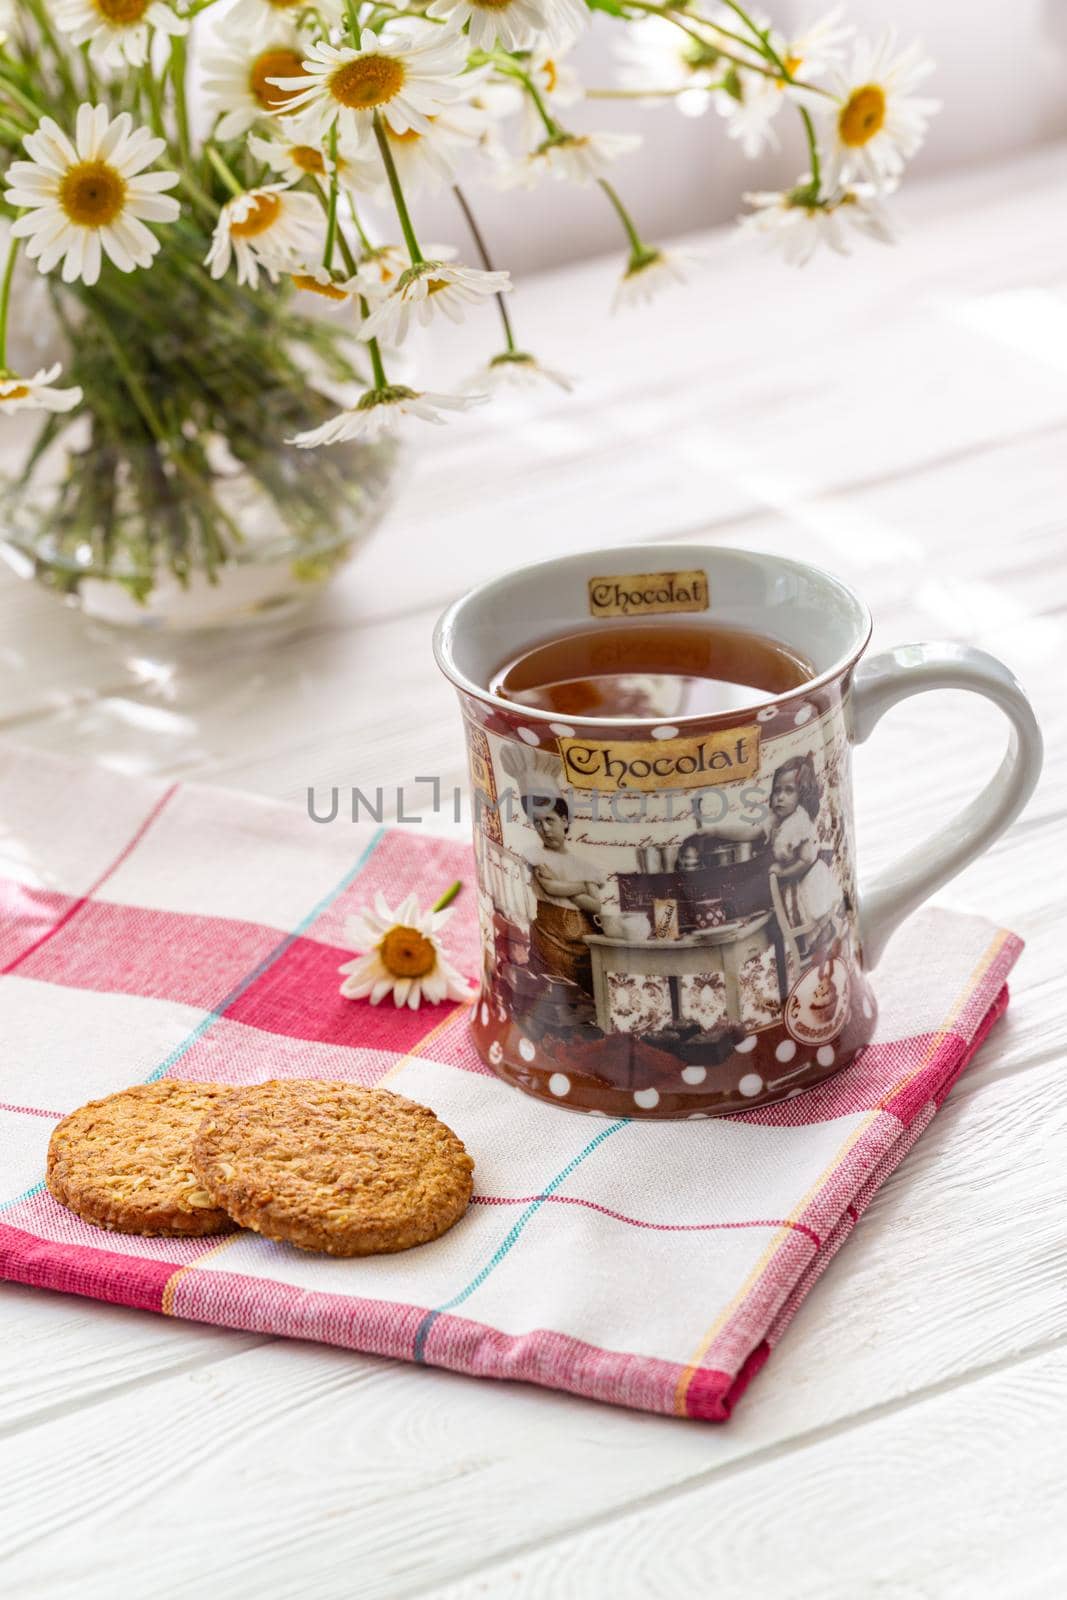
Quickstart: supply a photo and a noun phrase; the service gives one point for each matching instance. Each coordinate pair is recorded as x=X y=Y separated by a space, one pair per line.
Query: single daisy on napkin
x=403 y=955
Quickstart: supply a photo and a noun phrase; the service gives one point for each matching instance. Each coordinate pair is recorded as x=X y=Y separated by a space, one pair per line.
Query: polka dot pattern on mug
x=559 y=1084
x=750 y=1085
x=527 y=1049
x=665 y=732
x=562 y=730
x=646 y=1099
x=825 y=1055
x=528 y=735
x=786 y=1050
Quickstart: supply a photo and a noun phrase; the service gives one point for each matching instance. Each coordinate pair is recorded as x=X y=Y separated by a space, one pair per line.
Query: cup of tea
x=660 y=743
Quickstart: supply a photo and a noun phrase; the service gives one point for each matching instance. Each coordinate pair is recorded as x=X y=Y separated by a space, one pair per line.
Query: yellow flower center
x=370 y=81
x=279 y=63
x=262 y=215
x=307 y=158
x=329 y=291
x=406 y=953
x=19 y=392
x=551 y=76
x=122 y=13
x=409 y=136
x=435 y=285
x=492 y=5
x=862 y=115
x=92 y=194
x=792 y=65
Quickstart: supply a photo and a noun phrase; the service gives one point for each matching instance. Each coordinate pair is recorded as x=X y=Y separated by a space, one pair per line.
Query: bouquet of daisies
x=224 y=198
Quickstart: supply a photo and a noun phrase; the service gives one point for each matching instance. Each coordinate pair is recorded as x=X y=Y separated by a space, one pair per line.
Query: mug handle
x=878 y=684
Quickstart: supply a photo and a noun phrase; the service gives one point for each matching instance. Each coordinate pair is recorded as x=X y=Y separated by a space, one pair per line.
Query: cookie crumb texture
x=124 y=1163
x=333 y=1167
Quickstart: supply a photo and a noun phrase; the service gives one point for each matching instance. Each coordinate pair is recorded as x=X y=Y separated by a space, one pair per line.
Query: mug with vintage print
x=660 y=746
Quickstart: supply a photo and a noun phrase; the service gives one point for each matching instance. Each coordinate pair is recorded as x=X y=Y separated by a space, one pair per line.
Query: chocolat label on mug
x=647 y=594
x=648 y=765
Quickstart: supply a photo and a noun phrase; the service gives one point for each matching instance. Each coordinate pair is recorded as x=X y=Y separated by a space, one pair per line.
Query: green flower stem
x=552 y=127
x=155 y=104
x=638 y=248
x=28 y=105
x=352 y=18
x=764 y=38
x=331 y=209
x=223 y=170
x=487 y=263
x=5 y=301
x=685 y=23
x=374 y=350
x=813 y=149
x=354 y=214
x=179 y=62
x=351 y=264
x=151 y=417
x=449 y=895
x=41 y=17
x=644 y=94
x=391 y=174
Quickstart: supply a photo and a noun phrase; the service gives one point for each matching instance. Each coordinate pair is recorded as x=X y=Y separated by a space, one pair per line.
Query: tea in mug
x=667 y=669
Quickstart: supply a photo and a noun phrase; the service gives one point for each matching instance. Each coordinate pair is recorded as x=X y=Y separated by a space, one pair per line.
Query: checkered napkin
x=149 y=930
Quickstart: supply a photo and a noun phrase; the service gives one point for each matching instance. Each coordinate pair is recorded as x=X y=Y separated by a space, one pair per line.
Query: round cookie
x=333 y=1167
x=124 y=1163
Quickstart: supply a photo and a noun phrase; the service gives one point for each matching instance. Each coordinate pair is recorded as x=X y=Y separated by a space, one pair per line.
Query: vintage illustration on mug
x=668 y=923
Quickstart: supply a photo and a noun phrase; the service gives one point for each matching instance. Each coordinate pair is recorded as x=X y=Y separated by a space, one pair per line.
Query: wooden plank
x=92 y=1351
x=958 y=1497
x=291 y=1464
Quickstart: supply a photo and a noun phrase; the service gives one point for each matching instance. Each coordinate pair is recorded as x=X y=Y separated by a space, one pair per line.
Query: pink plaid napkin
x=148 y=930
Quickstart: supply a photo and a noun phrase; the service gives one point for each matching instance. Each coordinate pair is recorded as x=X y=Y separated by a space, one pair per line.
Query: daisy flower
x=253 y=16
x=657 y=59
x=241 y=79
x=34 y=394
x=90 y=197
x=380 y=411
x=423 y=160
x=558 y=85
x=516 y=369
x=407 y=77
x=404 y=957
x=755 y=100
x=381 y=268
x=796 y=225
x=516 y=24
x=878 y=122
x=573 y=157
x=293 y=161
x=319 y=280
x=116 y=31
x=270 y=227
x=427 y=288
x=649 y=273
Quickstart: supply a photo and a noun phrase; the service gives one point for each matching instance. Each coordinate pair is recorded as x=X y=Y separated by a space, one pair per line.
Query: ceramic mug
x=694 y=977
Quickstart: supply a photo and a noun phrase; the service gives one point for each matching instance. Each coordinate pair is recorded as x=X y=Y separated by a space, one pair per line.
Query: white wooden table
x=900 y=418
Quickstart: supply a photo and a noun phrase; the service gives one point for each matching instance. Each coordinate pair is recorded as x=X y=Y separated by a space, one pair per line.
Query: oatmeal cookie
x=123 y=1163
x=333 y=1167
